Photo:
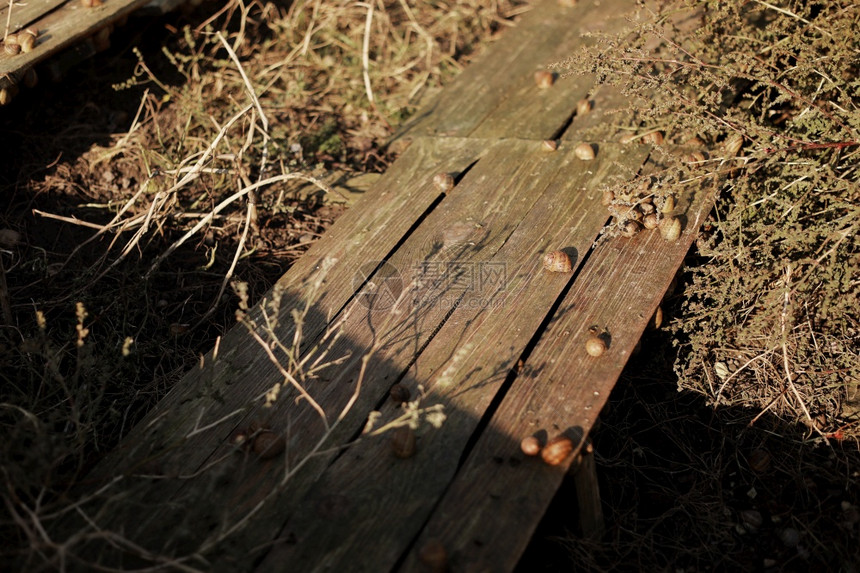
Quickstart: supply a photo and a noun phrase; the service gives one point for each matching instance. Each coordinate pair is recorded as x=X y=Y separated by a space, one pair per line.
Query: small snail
x=530 y=446
x=650 y=221
x=544 y=79
x=628 y=138
x=656 y=319
x=733 y=144
x=584 y=151
x=550 y=144
x=670 y=228
x=444 y=182
x=268 y=444
x=557 y=262
x=759 y=461
x=607 y=198
x=11 y=45
x=27 y=39
x=695 y=157
x=403 y=442
x=7 y=94
x=630 y=228
x=583 y=106
x=557 y=450
x=654 y=138
x=596 y=343
x=91 y=3
x=433 y=555
x=399 y=394
x=668 y=204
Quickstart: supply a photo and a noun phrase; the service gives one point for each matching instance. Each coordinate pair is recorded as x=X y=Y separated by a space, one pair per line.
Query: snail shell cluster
x=553 y=453
x=557 y=262
x=641 y=208
x=23 y=41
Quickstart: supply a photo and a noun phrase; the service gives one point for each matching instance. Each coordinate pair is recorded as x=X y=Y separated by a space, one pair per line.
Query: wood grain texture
x=479 y=328
x=384 y=499
x=497 y=96
x=560 y=390
x=62 y=27
x=166 y=454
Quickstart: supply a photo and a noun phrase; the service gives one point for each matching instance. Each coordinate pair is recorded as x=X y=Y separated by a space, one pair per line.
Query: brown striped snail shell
x=654 y=138
x=433 y=556
x=550 y=144
x=584 y=151
x=444 y=182
x=403 y=442
x=733 y=144
x=607 y=198
x=557 y=450
x=650 y=221
x=27 y=39
x=557 y=262
x=630 y=228
x=544 y=79
x=399 y=393
x=530 y=445
x=583 y=106
x=670 y=228
x=267 y=444
x=668 y=204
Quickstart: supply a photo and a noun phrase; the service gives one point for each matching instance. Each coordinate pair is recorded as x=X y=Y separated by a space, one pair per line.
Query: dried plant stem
x=365 y=52
x=785 y=361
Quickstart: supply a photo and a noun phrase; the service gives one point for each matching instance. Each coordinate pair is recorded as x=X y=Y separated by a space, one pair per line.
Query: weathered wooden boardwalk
x=66 y=31
x=442 y=292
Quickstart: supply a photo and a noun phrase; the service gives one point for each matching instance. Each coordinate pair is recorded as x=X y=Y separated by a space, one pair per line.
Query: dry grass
x=128 y=219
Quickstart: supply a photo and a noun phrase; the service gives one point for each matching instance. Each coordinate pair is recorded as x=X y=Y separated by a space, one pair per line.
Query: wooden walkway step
x=64 y=29
x=442 y=292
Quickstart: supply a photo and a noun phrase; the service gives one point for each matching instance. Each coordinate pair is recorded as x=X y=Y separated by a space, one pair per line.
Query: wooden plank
x=474 y=221
x=26 y=13
x=383 y=501
x=60 y=29
x=168 y=443
x=611 y=116
x=529 y=111
x=559 y=391
x=496 y=96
